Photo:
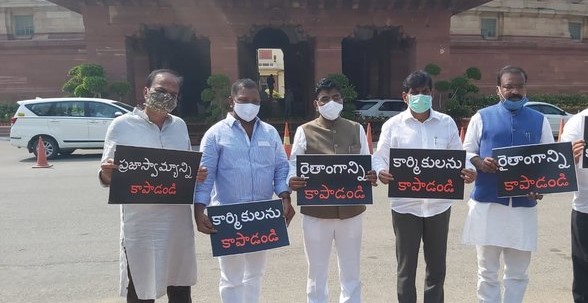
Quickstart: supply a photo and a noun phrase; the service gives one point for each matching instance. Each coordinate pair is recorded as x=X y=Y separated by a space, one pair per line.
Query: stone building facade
x=39 y=43
x=546 y=37
x=376 y=43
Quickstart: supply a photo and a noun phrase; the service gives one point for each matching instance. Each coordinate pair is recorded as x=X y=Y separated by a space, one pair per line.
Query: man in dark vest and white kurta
x=330 y=134
x=503 y=226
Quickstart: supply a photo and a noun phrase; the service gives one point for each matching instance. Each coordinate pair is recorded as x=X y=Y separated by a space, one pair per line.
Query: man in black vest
x=323 y=225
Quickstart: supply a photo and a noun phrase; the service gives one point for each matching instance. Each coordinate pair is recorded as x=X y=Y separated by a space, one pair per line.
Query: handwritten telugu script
x=337 y=193
x=526 y=183
x=539 y=168
x=148 y=188
x=352 y=168
x=431 y=186
x=417 y=165
x=550 y=156
x=246 y=216
x=153 y=176
x=334 y=179
x=257 y=238
x=155 y=168
x=247 y=227
x=426 y=173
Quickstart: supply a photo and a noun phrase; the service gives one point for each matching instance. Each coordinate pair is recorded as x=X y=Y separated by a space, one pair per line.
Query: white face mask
x=246 y=111
x=331 y=110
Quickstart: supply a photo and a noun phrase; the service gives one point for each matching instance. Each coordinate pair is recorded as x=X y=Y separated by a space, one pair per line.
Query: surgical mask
x=246 y=111
x=331 y=110
x=420 y=103
x=512 y=105
x=161 y=101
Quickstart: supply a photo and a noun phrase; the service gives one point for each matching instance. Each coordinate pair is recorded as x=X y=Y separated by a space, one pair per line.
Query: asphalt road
x=59 y=243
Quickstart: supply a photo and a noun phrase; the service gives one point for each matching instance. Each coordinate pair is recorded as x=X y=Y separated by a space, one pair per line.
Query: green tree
x=86 y=80
x=348 y=94
x=215 y=97
x=459 y=90
x=433 y=69
x=120 y=89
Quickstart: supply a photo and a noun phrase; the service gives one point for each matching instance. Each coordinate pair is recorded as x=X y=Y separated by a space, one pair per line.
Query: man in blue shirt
x=246 y=162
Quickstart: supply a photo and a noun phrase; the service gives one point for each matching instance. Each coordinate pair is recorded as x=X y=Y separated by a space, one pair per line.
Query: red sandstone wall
x=553 y=66
x=36 y=68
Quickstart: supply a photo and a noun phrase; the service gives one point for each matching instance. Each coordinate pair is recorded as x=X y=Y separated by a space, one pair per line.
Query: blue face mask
x=513 y=105
x=420 y=103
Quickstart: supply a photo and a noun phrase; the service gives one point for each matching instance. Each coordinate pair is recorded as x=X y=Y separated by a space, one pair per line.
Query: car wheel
x=51 y=147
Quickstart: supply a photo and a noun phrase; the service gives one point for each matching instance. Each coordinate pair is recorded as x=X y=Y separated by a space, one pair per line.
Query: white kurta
x=404 y=131
x=493 y=223
x=158 y=239
x=574 y=131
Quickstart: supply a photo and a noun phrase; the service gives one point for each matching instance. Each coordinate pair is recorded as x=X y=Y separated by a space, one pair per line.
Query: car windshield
x=362 y=105
x=124 y=105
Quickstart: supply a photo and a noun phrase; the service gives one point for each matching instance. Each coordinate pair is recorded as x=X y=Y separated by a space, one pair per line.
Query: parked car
x=553 y=114
x=379 y=107
x=65 y=124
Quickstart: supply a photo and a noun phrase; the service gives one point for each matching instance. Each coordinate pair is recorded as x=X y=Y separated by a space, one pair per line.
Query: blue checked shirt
x=239 y=169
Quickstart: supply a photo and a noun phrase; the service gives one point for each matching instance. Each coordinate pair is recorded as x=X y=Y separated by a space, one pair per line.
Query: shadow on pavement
x=69 y=158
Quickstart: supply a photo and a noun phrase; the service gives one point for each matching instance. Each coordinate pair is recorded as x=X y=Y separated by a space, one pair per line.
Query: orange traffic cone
x=287 y=146
x=462 y=134
x=561 y=127
x=369 y=138
x=41 y=156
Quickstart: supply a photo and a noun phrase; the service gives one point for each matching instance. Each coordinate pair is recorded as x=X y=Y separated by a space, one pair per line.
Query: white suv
x=379 y=107
x=65 y=124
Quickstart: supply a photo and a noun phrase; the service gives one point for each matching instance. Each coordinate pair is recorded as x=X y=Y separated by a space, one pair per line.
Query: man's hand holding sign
x=140 y=175
x=333 y=179
x=427 y=173
x=490 y=165
x=534 y=170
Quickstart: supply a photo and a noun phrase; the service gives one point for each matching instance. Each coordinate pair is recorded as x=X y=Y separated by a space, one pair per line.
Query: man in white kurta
x=574 y=132
x=157 y=241
x=503 y=226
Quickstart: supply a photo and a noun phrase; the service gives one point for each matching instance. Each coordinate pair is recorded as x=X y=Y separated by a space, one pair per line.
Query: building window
x=489 y=28
x=575 y=29
x=23 y=26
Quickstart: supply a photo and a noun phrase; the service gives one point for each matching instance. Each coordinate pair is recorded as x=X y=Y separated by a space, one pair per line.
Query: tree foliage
x=433 y=69
x=459 y=90
x=348 y=94
x=215 y=97
x=120 y=89
x=88 y=80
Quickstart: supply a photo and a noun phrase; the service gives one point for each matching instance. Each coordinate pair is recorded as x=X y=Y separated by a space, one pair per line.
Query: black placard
x=153 y=176
x=334 y=179
x=538 y=168
x=247 y=227
x=426 y=173
x=585 y=153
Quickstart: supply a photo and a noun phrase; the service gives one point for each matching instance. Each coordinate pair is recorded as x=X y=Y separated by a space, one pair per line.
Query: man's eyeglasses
x=164 y=91
x=511 y=87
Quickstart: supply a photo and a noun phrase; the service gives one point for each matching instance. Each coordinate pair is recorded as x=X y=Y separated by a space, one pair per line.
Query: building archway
x=298 y=50
x=376 y=60
x=174 y=47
